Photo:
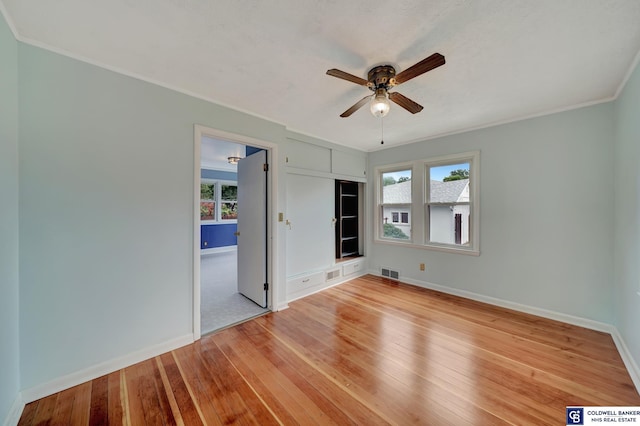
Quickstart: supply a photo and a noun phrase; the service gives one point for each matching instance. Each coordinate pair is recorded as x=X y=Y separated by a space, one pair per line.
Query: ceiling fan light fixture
x=233 y=160
x=380 y=104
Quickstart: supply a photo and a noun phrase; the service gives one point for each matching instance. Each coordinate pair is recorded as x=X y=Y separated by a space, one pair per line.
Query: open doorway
x=231 y=273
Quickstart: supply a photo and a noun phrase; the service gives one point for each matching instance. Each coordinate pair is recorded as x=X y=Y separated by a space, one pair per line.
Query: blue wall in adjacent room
x=218 y=175
x=218 y=235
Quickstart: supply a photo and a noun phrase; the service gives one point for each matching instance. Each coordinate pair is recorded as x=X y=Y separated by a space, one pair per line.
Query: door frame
x=272 y=206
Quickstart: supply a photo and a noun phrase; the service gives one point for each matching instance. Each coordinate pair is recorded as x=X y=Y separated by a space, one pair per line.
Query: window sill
x=434 y=247
x=215 y=222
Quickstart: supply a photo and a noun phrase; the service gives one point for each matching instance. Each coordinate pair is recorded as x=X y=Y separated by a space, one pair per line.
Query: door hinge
x=266 y=286
x=265 y=167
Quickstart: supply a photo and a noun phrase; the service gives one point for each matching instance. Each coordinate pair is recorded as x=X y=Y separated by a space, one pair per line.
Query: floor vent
x=333 y=274
x=390 y=273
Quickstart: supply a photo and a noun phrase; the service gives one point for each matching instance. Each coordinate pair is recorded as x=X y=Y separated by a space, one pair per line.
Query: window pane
x=449 y=224
x=229 y=210
x=396 y=187
x=208 y=191
x=396 y=204
x=207 y=210
x=449 y=221
x=229 y=192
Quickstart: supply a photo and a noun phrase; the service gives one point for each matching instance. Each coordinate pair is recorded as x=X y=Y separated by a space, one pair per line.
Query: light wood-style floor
x=370 y=351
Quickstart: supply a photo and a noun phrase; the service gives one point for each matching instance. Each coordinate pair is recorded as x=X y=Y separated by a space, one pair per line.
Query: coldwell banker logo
x=575 y=415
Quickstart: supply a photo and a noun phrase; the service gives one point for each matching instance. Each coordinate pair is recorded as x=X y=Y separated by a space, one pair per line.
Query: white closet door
x=311 y=234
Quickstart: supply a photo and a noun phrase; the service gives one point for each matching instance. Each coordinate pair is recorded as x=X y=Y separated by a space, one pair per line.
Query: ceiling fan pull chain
x=381 y=130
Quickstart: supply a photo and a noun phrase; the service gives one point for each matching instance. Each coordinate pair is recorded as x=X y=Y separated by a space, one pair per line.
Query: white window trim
x=473 y=158
x=419 y=196
x=218 y=201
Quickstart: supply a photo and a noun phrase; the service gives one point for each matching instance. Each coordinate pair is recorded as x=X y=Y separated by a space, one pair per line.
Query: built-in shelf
x=348 y=226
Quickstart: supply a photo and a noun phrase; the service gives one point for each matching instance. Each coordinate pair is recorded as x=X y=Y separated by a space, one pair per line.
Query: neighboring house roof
x=448 y=192
x=398 y=193
x=441 y=192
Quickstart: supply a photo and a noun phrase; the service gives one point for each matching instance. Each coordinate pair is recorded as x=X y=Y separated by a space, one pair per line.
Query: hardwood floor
x=370 y=351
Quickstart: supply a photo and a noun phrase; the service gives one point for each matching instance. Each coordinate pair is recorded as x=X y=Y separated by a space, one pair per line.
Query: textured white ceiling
x=506 y=59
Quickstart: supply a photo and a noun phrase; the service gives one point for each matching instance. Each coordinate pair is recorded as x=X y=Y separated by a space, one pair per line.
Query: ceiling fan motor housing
x=381 y=77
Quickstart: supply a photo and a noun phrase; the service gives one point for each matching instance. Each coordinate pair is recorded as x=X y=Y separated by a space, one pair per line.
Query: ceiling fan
x=382 y=78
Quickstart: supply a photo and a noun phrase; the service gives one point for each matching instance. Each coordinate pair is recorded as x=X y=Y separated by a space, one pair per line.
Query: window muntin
x=395 y=204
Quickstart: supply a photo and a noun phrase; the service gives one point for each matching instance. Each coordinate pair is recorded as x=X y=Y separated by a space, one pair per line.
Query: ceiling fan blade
x=433 y=61
x=356 y=106
x=405 y=102
x=346 y=76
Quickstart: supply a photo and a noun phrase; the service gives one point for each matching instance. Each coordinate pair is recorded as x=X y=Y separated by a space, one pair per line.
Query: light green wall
x=546 y=221
x=627 y=214
x=9 y=289
x=106 y=202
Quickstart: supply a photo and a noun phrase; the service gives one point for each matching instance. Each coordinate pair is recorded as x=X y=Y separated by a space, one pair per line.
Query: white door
x=311 y=233
x=252 y=227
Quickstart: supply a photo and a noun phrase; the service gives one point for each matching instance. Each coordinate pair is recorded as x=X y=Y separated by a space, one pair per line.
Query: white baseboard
x=216 y=250
x=316 y=289
x=13 y=417
x=627 y=358
x=558 y=316
x=74 y=379
x=281 y=307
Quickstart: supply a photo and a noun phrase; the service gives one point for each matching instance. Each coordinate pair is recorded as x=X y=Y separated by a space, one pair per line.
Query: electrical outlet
x=422 y=266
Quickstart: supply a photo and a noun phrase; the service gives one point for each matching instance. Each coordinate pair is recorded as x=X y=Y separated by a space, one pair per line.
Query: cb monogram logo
x=574 y=416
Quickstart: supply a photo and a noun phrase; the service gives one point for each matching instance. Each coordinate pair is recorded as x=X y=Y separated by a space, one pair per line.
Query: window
x=400 y=217
x=451 y=202
x=229 y=201
x=207 y=201
x=395 y=204
x=445 y=215
x=448 y=207
x=222 y=194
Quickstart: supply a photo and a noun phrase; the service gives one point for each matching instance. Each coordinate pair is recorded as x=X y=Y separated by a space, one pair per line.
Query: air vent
x=390 y=273
x=333 y=274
